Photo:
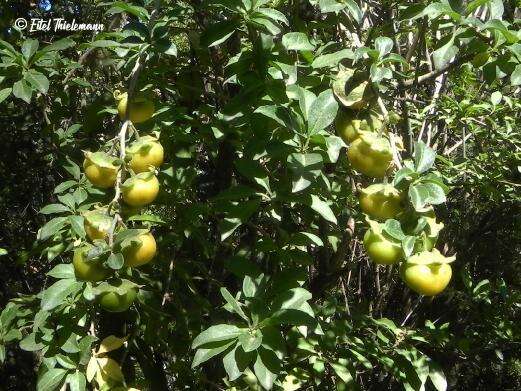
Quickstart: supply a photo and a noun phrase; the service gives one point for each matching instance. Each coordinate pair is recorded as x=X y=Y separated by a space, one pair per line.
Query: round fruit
x=370 y=154
x=97 y=224
x=381 y=201
x=137 y=255
x=113 y=301
x=146 y=153
x=140 y=189
x=88 y=270
x=427 y=273
x=100 y=169
x=380 y=249
x=349 y=125
x=141 y=108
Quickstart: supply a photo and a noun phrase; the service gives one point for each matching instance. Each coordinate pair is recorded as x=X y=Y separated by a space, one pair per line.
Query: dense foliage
x=261 y=194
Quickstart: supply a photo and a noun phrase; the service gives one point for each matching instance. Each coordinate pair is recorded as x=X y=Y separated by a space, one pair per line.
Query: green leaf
x=217 y=333
x=120 y=6
x=342 y=371
x=393 y=228
x=334 y=144
x=22 y=90
x=322 y=112
x=305 y=168
x=384 y=45
x=424 y=157
x=77 y=226
x=496 y=98
x=291 y=299
x=250 y=340
x=29 y=343
x=77 y=381
x=296 y=41
x=37 y=80
x=230 y=365
x=4 y=94
x=204 y=354
x=29 y=47
x=51 y=227
x=266 y=368
x=323 y=209
x=115 y=261
x=332 y=59
x=51 y=379
x=57 y=292
x=103 y=43
x=444 y=54
x=515 y=77
x=218 y=33
x=54 y=208
x=63 y=270
x=234 y=304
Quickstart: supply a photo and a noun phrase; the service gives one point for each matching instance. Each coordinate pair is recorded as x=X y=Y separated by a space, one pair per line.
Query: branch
x=431 y=75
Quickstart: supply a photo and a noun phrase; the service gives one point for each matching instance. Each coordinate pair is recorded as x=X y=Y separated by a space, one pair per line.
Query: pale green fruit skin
x=348 y=125
x=381 y=250
x=141 y=109
x=87 y=271
x=112 y=302
x=153 y=158
x=103 y=177
x=369 y=161
x=137 y=256
x=142 y=192
x=427 y=280
x=378 y=205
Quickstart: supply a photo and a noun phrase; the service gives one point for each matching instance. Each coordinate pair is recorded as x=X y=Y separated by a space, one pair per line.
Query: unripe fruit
x=349 y=124
x=97 y=224
x=141 y=108
x=146 y=153
x=381 y=250
x=380 y=201
x=111 y=301
x=141 y=189
x=100 y=169
x=370 y=155
x=137 y=255
x=88 y=270
x=427 y=273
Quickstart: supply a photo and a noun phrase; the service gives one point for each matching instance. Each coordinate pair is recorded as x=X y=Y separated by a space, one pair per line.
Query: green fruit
x=349 y=124
x=88 y=270
x=380 y=249
x=427 y=273
x=114 y=301
x=380 y=201
x=370 y=155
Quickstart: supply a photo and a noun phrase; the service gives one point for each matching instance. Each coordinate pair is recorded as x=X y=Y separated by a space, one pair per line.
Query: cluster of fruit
x=142 y=157
x=370 y=152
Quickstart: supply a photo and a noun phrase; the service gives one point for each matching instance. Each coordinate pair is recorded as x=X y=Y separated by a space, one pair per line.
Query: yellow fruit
x=380 y=249
x=97 y=224
x=141 y=189
x=146 y=153
x=380 y=201
x=370 y=155
x=99 y=170
x=137 y=255
x=349 y=124
x=88 y=270
x=427 y=273
x=141 y=108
